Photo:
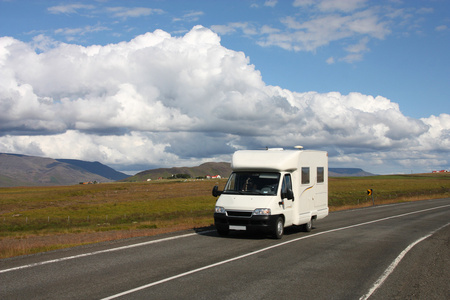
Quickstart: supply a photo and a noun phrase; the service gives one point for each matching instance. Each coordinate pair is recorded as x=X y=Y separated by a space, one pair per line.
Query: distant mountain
x=211 y=168
x=224 y=170
x=23 y=170
x=96 y=168
x=347 y=172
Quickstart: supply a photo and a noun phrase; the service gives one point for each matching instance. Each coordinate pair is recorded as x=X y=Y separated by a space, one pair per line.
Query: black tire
x=278 y=229
x=308 y=226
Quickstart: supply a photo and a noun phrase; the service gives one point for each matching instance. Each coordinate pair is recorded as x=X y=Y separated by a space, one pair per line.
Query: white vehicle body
x=289 y=187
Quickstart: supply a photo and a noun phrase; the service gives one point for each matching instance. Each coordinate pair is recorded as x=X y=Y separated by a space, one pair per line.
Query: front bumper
x=252 y=223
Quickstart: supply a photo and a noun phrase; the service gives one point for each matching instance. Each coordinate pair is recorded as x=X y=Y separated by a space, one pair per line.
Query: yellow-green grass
x=36 y=219
x=353 y=190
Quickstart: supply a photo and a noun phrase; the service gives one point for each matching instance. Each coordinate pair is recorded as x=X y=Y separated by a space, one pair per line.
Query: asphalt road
x=398 y=251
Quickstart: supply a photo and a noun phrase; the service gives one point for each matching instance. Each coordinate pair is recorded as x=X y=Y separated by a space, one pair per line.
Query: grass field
x=36 y=219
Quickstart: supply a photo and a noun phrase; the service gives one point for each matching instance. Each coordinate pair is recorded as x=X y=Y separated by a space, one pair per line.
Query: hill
x=211 y=168
x=224 y=170
x=23 y=170
x=96 y=168
x=348 y=172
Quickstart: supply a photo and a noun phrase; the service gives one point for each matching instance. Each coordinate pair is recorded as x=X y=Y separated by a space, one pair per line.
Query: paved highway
x=392 y=251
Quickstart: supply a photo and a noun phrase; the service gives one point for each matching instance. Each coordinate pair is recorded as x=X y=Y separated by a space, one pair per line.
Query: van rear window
x=305 y=175
x=320 y=174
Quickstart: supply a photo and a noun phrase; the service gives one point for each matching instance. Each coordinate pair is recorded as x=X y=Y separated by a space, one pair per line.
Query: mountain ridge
x=24 y=170
x=224 y=170
x=210 y=168
x=96 y=168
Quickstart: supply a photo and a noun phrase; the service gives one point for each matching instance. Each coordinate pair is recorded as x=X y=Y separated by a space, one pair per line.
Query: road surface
x=383 y=252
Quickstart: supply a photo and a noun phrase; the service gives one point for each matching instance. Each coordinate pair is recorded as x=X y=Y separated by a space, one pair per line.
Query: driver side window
x=287 y=184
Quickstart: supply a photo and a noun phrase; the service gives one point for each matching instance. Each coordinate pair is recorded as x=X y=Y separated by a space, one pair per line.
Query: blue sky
x=379 y=69
x=408 y=63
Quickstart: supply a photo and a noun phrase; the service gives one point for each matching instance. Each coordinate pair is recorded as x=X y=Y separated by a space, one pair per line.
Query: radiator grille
x=234 y=213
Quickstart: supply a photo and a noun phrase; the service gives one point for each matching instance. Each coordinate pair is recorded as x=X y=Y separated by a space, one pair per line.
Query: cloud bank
x=163 y=101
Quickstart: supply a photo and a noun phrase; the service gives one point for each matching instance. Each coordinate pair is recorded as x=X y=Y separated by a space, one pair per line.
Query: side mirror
x=289 y=194
x=215 y=191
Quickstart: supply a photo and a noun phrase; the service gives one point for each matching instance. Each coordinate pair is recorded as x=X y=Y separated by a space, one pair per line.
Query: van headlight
x=220 y=210
x=262 y=212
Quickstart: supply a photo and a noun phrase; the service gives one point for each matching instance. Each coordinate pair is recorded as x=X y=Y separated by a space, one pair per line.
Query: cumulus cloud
x=160 y=100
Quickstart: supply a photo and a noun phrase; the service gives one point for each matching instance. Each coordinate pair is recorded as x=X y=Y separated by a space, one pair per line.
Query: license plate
x=236 y=227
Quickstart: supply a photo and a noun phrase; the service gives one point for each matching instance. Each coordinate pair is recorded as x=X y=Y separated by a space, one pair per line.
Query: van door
x=287 y=198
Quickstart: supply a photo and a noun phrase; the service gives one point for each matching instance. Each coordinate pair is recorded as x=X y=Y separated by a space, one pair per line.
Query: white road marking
x=394 y=264
x=98 y=252
x=261 y=250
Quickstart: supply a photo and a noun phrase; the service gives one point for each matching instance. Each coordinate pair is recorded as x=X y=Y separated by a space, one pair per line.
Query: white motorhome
x=271 y=189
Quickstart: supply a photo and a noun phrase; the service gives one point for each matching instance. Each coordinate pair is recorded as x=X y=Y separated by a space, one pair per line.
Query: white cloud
x=116 y=11
x=324 y=29
x=318 y=24
x=223 y=29
x=159 y=100
x=425 y=10
x=192 y=16
x=338 y=5
x=358 y=48
x=437 y=138
x=355 y=52
x=42 y=42
x=265 y=29
x=271 y=3
x=303 y=2
x=244 y=27
x=331 y=5
x=133 y=12
x=72 y=33
x=441 y=28
x=69 y=8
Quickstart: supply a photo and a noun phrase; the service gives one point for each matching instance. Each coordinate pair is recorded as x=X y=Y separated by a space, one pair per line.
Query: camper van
x=271 y=189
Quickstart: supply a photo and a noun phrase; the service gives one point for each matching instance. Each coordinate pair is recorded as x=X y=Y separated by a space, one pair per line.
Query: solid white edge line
x=259 y=251
x=394 y=264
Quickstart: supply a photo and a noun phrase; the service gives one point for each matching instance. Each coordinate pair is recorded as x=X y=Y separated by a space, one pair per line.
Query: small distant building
x=440 y=171
x=213 y=177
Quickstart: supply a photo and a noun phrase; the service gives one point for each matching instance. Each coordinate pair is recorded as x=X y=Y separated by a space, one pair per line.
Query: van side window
x=305 y=175
x=287 y=184
x=320 y=174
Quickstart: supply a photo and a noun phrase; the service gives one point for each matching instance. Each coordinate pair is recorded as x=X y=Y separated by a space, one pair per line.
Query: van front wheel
x=278 y=230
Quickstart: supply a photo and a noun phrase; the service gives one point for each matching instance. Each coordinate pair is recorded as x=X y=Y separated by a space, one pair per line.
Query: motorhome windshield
x=252 y=183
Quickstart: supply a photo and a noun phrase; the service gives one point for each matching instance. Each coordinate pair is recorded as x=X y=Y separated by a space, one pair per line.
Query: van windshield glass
x=252 y=183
